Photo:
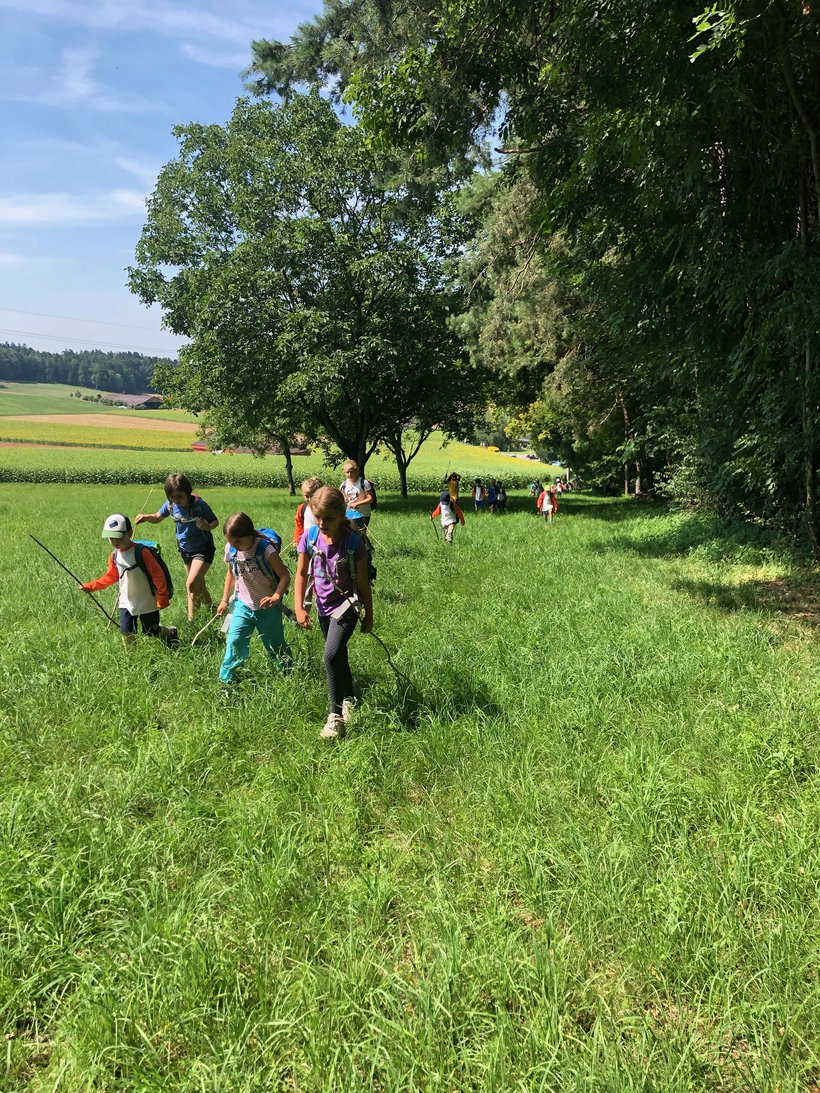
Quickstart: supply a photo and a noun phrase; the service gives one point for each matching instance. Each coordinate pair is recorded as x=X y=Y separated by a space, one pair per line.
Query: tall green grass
x=579 y=854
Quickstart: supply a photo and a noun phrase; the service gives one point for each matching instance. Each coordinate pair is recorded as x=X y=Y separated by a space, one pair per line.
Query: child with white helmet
x=144 y=589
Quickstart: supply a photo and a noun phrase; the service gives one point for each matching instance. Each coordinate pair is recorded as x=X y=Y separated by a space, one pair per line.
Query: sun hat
x=116 y=526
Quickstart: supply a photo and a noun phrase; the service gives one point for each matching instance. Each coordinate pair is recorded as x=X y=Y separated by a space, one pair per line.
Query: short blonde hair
x=311 y=485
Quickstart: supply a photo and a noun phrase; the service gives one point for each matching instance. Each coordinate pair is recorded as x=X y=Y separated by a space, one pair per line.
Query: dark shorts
x=128 y=622
x=206 y=554
x=479 y=505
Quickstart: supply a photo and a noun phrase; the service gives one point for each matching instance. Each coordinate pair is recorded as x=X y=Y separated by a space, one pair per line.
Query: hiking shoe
x=334 y=728
x=348 y=708
x=172 y=637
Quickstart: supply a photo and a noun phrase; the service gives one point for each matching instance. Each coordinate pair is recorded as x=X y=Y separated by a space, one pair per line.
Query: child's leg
x=195 y=585
x=150 y=626
x=337 y=633
x=449 y=531
x=128 y=627
x=195 y=582
x=243 y=624
x=272 y=633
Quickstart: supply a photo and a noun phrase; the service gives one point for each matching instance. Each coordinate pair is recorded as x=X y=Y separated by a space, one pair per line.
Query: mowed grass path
x=581 y=853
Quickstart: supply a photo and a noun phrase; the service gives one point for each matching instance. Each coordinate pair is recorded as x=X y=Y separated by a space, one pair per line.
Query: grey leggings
x=337 y=633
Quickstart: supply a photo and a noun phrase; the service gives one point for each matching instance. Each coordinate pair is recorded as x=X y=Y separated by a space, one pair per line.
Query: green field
x=56 y=398
x=81 y=465
x=579 y=853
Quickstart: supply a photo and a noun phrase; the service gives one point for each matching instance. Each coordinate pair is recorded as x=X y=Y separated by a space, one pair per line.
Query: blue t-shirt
x=190 y=538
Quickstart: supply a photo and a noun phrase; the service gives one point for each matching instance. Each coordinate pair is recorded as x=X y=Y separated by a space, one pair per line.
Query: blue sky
x=91 y=90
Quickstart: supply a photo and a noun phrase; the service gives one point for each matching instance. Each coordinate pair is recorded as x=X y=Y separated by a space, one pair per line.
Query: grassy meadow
x=58 y=398
x=575 y=850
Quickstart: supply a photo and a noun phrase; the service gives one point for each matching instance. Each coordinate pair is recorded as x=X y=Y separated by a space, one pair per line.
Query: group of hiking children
x=334 y=571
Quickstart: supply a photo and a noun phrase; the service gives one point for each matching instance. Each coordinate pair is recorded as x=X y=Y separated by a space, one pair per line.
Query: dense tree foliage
x=676 y=155
x=121 y=373
x=308 y=272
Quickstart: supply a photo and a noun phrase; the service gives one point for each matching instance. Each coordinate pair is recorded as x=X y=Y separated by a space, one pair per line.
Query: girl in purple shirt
x=333 y=567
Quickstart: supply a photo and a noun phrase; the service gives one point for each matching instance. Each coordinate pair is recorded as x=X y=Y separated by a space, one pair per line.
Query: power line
x=75 y=319
x=88 y=341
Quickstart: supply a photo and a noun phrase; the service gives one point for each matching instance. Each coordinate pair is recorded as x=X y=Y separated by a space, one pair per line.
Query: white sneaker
x=348 y=707
x=334 y=728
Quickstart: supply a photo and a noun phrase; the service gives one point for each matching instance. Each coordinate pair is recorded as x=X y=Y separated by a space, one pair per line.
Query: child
x=547 y=504
x=333 y=565
x=260 y=578
x=501 y=498
x=450 y=514
x=358 y=491
x=478 y=495
x=305 y=519
x=194 y=521
x=452 y=484
x=143 y=588
x=491 y=495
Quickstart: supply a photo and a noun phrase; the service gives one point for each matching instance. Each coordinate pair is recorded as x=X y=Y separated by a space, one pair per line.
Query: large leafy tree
x=307 y=270
x=677 y=151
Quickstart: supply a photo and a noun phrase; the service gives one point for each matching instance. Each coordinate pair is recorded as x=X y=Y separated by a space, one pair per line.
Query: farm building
x=138 y=402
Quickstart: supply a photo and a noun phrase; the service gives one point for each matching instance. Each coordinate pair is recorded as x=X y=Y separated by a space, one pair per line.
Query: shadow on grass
x=796 y=598
x=409 y=704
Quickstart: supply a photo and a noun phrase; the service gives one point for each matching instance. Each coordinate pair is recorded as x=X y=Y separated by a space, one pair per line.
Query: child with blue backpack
x=194 y=522
x=333 y=570
x=260 y=579
x=144 y=582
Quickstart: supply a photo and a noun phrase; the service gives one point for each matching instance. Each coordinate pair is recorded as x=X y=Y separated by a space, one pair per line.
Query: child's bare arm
x=283 y=576
x=365 y=594
x=227 y=592
x=149 y=518
x=302 y=617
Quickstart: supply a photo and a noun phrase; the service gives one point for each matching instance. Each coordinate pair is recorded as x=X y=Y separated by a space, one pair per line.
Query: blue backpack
x=267 y=537
x=140 y=546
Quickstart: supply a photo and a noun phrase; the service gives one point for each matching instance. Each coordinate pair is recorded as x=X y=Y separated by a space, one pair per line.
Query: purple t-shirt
x=331 y=568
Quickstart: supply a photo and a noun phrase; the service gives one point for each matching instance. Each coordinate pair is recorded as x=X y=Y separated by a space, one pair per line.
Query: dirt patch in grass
x=108 y=421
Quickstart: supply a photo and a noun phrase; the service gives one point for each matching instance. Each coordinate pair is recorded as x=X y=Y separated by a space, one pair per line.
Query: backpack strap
x=261 y=547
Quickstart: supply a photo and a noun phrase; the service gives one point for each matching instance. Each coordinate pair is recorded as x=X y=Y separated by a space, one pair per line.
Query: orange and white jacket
x=112 y=576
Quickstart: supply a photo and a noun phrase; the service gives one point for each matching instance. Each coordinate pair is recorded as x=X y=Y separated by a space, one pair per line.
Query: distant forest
x=124 y=373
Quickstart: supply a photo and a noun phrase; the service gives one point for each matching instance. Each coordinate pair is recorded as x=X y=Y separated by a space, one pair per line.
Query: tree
x=307 y=274
x=684 y=176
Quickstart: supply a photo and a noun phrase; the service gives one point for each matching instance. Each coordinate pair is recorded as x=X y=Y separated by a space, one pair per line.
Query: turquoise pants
x=243 y=623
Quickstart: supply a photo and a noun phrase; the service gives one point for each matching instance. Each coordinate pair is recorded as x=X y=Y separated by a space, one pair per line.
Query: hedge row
x=83 y=466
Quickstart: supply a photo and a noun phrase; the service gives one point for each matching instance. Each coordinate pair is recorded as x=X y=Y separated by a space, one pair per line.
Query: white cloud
x=72 y=85
x=246 y=21
x=12 y=261
x=62 y=208
x=145 y=172
x=235 y=61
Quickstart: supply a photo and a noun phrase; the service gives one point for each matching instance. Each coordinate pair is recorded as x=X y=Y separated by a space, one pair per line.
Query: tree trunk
x=638 y=472
x=808 y=401
x=402 y=466
x=626 y=480
x=285 y=442
x=809 y=468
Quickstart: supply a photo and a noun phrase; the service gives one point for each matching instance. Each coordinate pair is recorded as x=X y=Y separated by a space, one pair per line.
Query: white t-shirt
x=135 y=591
x=447 y=515
x=546 y=504
x=353 y=490
x=308 y=518
x=479 y=493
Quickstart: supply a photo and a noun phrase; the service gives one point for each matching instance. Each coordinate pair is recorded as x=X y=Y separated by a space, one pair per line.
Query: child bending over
x=260 y=579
